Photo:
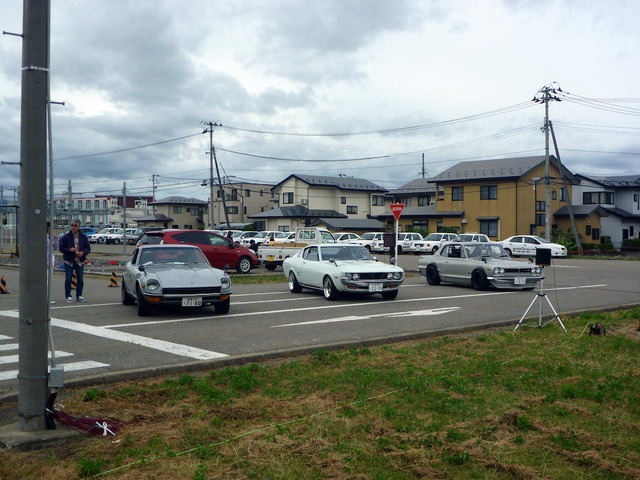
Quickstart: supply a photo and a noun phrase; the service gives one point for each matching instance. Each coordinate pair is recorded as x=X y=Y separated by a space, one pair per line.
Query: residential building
x=302 y=199
x=502 y=197
x=176 y=212
x=616 y=202
x=242 y=199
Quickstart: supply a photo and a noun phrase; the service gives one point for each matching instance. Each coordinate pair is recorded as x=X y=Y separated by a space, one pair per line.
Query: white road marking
x=104 y=332
x=351 y=318
x=68 y=367
x=4 y=337
x=7 y=359
x=9 y=346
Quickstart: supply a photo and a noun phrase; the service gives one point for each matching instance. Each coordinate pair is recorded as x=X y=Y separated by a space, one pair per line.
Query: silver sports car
x=480 y=265
x=177 y=275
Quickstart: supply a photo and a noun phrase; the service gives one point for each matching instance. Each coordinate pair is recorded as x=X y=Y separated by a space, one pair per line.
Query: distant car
x=290 y=238
x=107 y=235
x=263 y=238
x=179 y=275
x=480 y=265
x=245 y=237
x=431 y=243
x=341 y=268
x=410 y=242
x=344 y=237
x=137 y=234
x=526 y=245
x=220 y=251
x=471 y=237
x=368 y=240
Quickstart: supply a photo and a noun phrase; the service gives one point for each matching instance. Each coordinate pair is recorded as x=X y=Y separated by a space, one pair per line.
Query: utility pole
x=544 y=95
x=212 y=159
x=33 y=305
x=70 y=204
x=124 y=218
x=423 y=166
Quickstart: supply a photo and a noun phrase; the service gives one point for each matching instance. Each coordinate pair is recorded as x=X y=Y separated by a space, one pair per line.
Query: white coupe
x=526 y=245
x=341 y=268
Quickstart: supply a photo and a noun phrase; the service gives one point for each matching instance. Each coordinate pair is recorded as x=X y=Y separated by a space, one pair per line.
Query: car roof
x=169 y=245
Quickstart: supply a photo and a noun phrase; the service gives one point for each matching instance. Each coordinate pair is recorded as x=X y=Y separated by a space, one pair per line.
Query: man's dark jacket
x=66 y=242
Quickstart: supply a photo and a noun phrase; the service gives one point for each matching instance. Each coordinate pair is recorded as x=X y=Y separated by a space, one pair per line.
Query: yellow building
x=502 y=197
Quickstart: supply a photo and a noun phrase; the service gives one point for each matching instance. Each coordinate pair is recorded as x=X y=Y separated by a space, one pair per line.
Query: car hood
x=184 y=275
x=357 y=266
x=506 y=263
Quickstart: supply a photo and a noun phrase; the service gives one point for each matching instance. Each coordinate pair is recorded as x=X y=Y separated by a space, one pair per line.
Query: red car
x=220 y=251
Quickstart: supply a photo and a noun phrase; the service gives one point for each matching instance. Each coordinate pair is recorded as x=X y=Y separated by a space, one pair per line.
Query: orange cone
x=114 y=281
x=3 y=285
x=74 y=281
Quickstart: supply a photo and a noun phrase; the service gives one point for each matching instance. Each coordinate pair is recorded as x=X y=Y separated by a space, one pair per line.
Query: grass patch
x=535 y=403
x=252 y=279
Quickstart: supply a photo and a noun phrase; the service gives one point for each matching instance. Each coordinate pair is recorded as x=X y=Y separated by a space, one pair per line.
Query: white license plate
x=192 y=301
x=375 y=287
x=519 y=281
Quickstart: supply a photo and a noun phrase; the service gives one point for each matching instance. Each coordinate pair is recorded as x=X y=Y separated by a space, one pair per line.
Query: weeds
x=536 y=403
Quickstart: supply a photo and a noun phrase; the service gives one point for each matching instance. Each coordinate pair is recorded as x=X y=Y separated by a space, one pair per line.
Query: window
x=488 y=192
x=287 y=198
x=377 y=200
x=175 y=225
x=457 y=194
x=343 y=200
x=588 y=230
x=283 y=228
x=417 y=223
x=631 y=233
x=194 y=212
x=563 y=195
x=177 y=209
x=597 y=198
x=352 y=209
x=625 y=233
x=247 y=193
x=232 y=210
x=424 y=201
x=540 y=219
x=554 y=195
x=489 y=227
x=540 y=206
x=595 y=233
x=234 y=195
x=261 y=193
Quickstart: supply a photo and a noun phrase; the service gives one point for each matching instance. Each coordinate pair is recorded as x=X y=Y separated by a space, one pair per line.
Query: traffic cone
x=114 y=281
x=74 y=281
x=3 y=285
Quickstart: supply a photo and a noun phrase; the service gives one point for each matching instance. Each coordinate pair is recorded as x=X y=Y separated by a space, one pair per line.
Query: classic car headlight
x=536 y=269
x=352 y=276
x=152 y=285
x=394 y=276
x=225 y=282
x=498 y=270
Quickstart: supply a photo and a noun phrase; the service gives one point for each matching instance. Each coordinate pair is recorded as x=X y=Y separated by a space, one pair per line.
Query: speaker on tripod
x=543 y=259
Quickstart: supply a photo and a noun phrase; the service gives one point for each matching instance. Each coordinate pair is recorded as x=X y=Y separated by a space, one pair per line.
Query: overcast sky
x=324 y=87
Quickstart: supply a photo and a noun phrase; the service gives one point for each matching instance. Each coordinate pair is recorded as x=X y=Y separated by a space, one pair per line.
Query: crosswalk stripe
x=68 y=367
x=7 y=359
x=9 y=346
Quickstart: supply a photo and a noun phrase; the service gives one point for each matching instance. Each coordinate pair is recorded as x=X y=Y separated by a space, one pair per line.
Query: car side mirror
x=142 y=268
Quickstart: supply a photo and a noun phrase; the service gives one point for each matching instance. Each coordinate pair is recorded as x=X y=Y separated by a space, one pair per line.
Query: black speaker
x=543 y=257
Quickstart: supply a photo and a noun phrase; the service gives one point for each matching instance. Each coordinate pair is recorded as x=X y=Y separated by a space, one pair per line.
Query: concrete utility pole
x=212 y=159
x=70 y=198
x=544 y=95
x=33 y=308
x=124 y=218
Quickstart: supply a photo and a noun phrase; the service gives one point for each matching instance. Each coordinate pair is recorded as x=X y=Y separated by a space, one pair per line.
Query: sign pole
x=396 y=209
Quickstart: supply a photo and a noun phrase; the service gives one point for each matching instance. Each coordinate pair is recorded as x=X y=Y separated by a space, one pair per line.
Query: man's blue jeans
x=68 y=275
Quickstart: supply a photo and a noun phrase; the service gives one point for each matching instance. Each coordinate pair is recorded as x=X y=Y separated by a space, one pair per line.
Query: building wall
x=185 y=216
x=250 y=198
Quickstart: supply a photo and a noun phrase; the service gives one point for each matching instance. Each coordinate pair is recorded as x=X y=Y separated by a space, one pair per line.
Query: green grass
x=534 y=403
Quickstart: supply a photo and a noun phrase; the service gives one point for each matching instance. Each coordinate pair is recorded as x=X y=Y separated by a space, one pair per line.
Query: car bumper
x=353 y=286
x=509 y=282
x=177 y=300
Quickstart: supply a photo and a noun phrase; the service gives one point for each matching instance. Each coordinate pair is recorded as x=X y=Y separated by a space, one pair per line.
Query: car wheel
x=294 y=286
x=270 y=266
x=329 y=289
x=479 y=280
x=244 y=265
x=399 y=250
x=126 y=298
x=222 y=308
x=508 y=250
x=368 y=247
x=116 y=241
x=390 y=295
x=101 y=240
x=433 y=277
x=144 y=309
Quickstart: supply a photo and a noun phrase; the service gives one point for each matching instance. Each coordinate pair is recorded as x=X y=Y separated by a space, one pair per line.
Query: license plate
x=519 y=281
x=192 y=301
x=375 y=287
x=270 y=258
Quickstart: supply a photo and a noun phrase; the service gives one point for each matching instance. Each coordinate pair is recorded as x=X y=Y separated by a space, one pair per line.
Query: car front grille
x=190 y=291
x=373 y=276
x=522 y=271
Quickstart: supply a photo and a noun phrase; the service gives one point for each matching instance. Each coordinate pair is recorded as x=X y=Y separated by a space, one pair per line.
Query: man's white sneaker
x=69 y=299
x=81 y=299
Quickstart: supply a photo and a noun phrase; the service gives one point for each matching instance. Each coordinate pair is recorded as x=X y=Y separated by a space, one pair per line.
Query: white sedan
x=526 y=245
x=341 y=268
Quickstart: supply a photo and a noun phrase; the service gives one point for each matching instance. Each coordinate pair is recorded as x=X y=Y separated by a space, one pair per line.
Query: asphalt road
x=99 y=340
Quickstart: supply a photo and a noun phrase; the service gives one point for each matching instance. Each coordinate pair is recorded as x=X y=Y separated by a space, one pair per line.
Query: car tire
x=433 y=277
x=479 y=280
x=368 y=247
x=294 y=286
x=126 y=298
x=101 y=240
x=270 y=266
x=244 y=265
x=508 y=250
x=390 y=295
x=222 y=308
x=144 y=309
x=329 y=289
x=399 y=250
x=116 y=241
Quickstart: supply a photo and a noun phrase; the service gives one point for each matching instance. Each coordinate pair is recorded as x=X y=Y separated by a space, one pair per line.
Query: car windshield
x=172 y=256
x=542 y=240
x=367 y=236
x=345 y=252
x=485 y=251
x=463 y=238
x=433 y=236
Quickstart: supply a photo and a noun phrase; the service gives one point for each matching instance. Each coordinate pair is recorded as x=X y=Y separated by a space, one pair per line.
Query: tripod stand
x=539 y=296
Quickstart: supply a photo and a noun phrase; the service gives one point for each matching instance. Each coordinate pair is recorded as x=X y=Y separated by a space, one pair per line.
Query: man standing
x=75 y=247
